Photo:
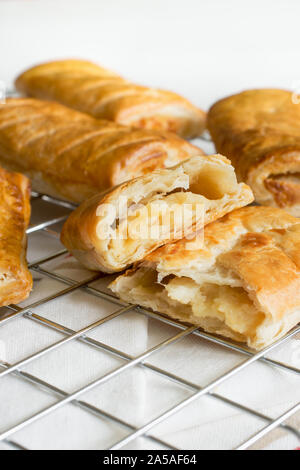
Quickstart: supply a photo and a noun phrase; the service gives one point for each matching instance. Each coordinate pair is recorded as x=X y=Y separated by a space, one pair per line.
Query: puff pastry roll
x=242 y=281
x=71 y=155
x=259 y=130
x=15 y=279
x=109 y=233
x=103 y=94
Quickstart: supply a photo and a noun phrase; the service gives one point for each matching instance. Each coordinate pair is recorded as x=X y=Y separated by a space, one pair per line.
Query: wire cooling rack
x=13 y=312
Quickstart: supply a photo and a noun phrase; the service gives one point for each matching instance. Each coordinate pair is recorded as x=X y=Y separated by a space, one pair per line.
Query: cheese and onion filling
x=221 y=309
x=229 y=305
x=162 y=218
x=165 y=216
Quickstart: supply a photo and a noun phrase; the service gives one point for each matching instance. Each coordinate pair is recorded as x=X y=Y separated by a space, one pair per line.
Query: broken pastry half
x=241 y=282
x=259 y=130
x=92 y=89
x=110 y=232
x=15 y=279
x=70 y=155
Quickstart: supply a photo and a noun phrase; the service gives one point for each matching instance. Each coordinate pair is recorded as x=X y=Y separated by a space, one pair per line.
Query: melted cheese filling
x=230 y=305
x=220 y=309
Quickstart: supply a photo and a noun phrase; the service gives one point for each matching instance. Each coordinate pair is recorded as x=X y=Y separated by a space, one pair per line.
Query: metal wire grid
x=13 y=311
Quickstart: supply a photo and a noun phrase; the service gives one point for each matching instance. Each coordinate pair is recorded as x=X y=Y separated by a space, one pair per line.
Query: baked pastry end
x=259 y=131
x=15 y=279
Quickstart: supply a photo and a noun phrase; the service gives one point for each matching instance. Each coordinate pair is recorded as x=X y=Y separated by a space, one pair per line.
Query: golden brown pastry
x=72 y=155
x=15 y=279
x=110 y=233
x=242 y=281
x=103 y=94
x=259 y=130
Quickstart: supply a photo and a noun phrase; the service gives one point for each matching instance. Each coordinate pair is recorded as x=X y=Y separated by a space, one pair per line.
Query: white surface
x=203 y=50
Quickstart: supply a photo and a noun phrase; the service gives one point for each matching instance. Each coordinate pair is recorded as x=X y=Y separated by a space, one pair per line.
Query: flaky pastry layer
x=15 y=279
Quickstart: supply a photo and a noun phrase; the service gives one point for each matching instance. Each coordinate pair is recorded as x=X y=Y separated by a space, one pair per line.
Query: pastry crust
x=109 y=233
x=70 y=155
x=259 y=130
x=242 y=281
x=101 y=93
x=15 y=279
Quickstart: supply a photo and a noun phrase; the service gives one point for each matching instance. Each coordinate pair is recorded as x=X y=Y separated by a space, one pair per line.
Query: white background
x=202 y=49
